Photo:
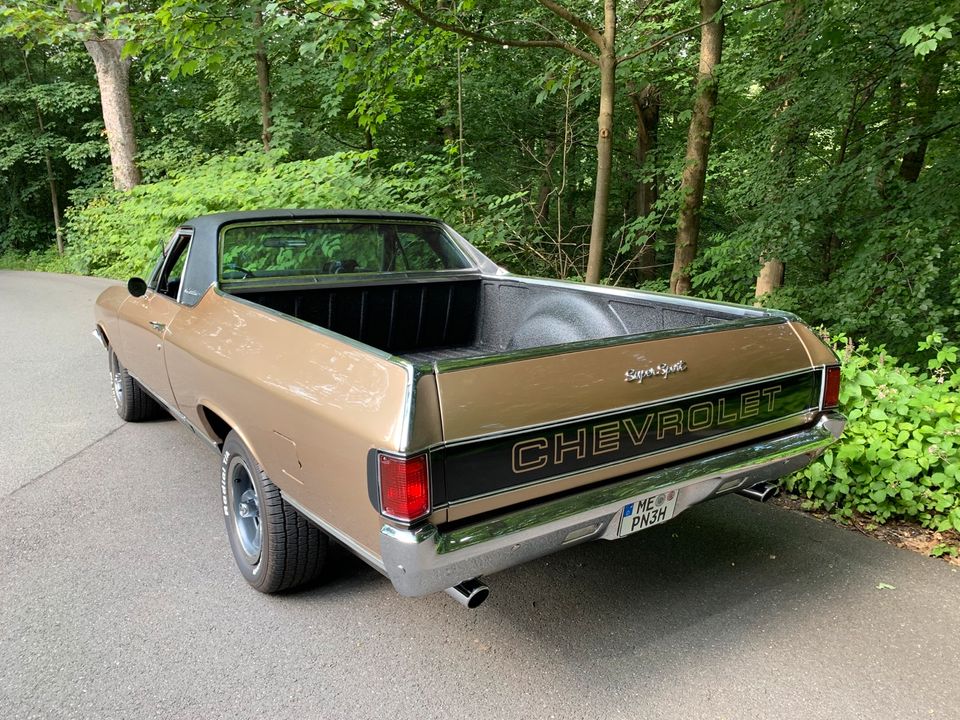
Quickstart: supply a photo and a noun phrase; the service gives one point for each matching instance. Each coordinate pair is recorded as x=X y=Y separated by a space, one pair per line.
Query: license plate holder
x=647 y=510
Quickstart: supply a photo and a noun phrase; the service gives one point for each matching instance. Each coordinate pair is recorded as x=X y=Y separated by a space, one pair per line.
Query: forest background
x=801 y=154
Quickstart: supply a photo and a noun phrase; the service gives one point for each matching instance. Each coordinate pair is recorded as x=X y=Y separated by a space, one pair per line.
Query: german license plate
x=647 y=511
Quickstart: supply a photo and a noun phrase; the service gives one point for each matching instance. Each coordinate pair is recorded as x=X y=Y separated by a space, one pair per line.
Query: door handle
x=158 y=326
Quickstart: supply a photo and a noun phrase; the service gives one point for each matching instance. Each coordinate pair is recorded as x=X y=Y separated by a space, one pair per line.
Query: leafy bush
x=119 y=234
x=46 y=261
x=899 y=454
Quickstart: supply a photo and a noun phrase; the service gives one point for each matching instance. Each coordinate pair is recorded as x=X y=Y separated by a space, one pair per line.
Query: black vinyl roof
x=201 y=268
x=223 y=218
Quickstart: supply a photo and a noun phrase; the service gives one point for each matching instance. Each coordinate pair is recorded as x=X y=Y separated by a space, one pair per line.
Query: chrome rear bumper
x=424 y=560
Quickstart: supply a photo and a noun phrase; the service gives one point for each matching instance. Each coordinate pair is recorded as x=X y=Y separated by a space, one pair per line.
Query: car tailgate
x=524 y=426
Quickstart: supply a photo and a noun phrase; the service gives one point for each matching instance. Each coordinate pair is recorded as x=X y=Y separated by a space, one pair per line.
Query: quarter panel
x=820 y=353
x=328 y=399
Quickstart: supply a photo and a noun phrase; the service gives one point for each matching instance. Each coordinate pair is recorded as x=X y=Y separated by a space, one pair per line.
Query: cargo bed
x=455 y=319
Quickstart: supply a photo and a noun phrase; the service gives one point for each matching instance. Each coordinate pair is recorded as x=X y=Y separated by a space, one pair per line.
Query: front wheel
x=275 y=547
x=133 y=403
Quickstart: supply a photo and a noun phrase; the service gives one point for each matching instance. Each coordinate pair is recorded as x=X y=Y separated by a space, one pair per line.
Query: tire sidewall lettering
x=223 y=481
x=228 y=455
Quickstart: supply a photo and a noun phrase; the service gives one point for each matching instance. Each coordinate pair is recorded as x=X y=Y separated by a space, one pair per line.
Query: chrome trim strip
x=823 y=384
x=183 y=273
x=98 y=334
x=682 y=301
x=425 y=560
x=623 y=408
x=809 y=414
x=177 y=415
x=342 y=537
x=414 y=373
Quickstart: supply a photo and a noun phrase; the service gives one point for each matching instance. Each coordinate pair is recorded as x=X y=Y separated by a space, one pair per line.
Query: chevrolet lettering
x=374 y=378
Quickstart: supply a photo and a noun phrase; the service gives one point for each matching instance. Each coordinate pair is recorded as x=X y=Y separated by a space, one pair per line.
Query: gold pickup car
x=374 y=378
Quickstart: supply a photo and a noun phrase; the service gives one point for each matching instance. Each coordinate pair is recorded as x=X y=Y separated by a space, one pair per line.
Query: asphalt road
x=119 y=598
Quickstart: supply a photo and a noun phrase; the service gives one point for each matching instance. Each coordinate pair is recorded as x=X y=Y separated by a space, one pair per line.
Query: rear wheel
x=134 y=404
x=275 y=547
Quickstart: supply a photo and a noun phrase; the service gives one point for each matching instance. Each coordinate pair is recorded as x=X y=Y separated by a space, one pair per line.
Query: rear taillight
x=404 y=487
x=831 y=388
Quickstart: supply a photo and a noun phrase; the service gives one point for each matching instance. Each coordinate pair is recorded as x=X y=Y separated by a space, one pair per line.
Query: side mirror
x=137 y=286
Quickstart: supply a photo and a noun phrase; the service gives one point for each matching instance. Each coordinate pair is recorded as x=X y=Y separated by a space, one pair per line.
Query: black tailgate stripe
x=486 y=466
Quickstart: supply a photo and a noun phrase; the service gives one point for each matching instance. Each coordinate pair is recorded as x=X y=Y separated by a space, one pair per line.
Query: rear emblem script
x=663 y=370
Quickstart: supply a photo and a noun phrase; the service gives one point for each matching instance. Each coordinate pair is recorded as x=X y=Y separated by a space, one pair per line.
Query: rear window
x=334 y=248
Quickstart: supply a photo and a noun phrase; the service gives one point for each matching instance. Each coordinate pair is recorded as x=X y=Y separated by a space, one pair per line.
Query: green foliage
x=43 y=261
x=944 y=549
x=119 y=234
x=924 y=39
x=55 y=94
x=900 y=454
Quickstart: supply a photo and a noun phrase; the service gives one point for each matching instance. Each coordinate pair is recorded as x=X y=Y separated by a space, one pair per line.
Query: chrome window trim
x=161 y=265
x=188 y=232
x=469 y=262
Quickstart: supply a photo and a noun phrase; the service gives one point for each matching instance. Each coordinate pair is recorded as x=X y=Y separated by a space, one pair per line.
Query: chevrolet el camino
x=372 y=377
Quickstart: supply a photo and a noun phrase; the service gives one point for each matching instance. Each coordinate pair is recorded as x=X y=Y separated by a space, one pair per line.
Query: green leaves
x=924 y=39
x=898 y=457
x=116 y=234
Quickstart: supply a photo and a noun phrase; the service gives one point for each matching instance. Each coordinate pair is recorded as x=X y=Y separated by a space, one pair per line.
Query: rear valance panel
x=515 y=459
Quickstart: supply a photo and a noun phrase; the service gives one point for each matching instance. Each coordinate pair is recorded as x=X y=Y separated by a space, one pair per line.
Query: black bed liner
x=449 y=319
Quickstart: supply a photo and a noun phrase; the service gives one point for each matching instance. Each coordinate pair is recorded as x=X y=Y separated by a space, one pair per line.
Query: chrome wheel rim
x=116 y=380
x=244 y=504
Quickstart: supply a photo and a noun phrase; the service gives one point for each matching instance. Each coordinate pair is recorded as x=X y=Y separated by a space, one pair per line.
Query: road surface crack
x=42 y=475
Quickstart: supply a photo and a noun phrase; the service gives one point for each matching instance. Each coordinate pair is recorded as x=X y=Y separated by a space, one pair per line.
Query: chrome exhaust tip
x=469 y=593
x=761 y=492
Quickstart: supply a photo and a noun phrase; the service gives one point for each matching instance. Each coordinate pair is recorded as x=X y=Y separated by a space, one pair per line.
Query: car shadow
x=730 y=566
x=728 y=557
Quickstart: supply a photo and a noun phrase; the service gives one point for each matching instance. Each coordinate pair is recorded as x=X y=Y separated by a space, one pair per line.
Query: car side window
x=168 y=281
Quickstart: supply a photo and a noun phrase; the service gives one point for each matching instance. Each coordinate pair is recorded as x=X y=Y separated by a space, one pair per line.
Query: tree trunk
x=698 y=147
x=51 y=179
x=447 y=132
x=113 y=77
x=608 y=79
x=853 y=130
x=770 y=277
x=894 y=111
x=646 y=110
x=263 y=81
x=783 y=151
x=927 y=87
x=542 y=208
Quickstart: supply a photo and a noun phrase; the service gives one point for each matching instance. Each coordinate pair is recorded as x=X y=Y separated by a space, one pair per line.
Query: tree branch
x=668 y=38
x=578 y=22
x=491 y=40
